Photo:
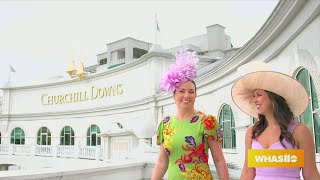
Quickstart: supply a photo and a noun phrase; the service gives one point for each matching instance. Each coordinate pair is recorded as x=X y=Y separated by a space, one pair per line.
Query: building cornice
x=119 y=69
x=281 y=16
x=118 y=133
x=127 y=38
x=279 y=19
x=133 y=106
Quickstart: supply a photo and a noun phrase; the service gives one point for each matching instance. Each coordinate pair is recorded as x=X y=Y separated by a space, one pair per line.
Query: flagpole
x=156 y=36
x=156 y=33
x=9 y=73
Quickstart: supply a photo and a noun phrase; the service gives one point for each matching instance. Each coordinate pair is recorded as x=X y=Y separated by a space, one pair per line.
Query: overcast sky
x=39 y=38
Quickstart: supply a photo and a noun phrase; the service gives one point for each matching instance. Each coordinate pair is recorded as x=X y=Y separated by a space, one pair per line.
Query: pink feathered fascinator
x=183 y=70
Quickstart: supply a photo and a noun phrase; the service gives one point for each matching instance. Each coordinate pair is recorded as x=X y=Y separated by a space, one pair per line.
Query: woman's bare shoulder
x=301 y=130
x=249 y=131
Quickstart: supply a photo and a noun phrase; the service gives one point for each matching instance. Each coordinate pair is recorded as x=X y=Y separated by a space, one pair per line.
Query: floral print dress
x=185 y=142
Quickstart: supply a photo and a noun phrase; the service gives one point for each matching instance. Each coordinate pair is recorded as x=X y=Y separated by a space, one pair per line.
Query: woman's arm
x=161 y=165
x=248 y=173
x=304 y=139
x=218 y=159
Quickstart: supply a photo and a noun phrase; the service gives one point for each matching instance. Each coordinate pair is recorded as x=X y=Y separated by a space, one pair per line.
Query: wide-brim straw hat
x=259 y=75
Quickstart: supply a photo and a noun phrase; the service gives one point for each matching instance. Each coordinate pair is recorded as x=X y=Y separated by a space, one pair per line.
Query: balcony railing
x=117 y=61
x=78 y=151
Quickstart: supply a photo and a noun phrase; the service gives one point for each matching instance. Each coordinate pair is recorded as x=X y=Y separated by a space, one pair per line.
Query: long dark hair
x=195 y=86
x=282 y=113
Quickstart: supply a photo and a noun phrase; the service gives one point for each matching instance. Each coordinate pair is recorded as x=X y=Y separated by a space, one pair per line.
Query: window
x=254 y=120
x=103 y=61
x=92 y=138
x=67 y=136
x=17 y=136
x=226 y=120
x=137 y=53
x=0 y=137
x=310 y=118
x=44 y=136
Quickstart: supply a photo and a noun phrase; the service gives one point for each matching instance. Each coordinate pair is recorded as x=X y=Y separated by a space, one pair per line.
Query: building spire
x=80 y=71
x=71 y=71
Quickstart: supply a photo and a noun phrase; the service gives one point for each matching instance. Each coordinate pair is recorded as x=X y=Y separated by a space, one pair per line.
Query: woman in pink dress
x=275 y=99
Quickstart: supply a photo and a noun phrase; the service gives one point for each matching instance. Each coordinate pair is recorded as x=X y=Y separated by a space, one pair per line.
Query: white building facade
x=120 y=105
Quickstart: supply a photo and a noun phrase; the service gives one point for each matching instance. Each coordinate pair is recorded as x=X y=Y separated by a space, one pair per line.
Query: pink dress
x=277 y=173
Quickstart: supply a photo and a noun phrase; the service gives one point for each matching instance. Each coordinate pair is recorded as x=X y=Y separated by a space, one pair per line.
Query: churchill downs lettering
x=93 y=93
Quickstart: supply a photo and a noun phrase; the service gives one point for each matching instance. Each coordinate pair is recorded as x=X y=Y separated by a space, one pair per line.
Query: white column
x=33 y=149
x=77 y=150
x=106 y=146
x=55 y=151
x=108 y=55
x=129 y=53
x=11 y=149
x=98 y=152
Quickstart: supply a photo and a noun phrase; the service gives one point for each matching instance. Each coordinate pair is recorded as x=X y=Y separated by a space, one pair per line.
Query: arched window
x=310 y=118
x=44 y=136
x=226 y=120
x=67 y=136
x=92 y=138
x=17 y=136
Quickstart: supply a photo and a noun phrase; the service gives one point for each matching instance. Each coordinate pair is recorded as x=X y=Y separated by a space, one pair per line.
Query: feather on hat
x=183 y=70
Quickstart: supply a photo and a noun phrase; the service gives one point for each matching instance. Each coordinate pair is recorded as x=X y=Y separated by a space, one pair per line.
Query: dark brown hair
x=195 y=86
x=282 y=114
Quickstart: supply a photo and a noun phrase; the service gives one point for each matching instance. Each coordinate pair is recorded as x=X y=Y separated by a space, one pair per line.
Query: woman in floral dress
x=185 y=138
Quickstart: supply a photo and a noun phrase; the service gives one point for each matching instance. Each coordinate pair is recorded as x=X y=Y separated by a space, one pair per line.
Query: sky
x=39 y=38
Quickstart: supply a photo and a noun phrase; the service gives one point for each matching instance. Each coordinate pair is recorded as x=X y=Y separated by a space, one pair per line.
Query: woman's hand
x=218 y=159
